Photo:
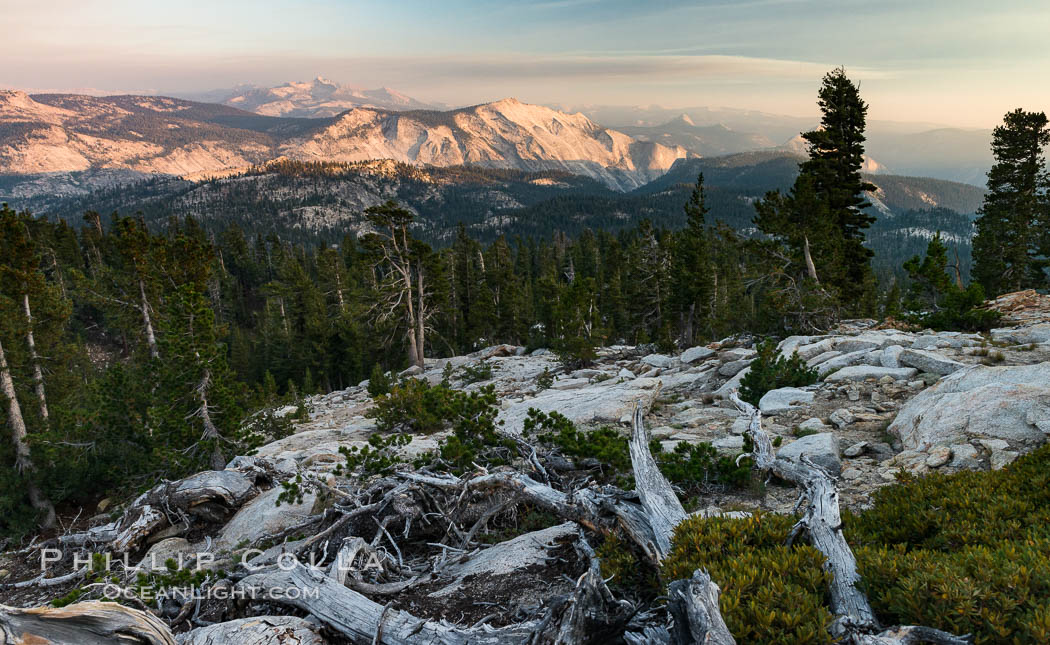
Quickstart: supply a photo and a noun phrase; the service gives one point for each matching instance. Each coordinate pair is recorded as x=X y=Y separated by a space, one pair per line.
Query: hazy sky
x=958 y=62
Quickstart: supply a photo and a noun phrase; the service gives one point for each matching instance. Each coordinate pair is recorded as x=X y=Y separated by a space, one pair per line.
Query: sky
x=953 y=62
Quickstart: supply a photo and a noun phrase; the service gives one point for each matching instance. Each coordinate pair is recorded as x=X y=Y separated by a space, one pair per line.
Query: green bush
x=965 y=552
x=771 y=593
x=480 y=371
x=576 y=352
x=377 y=458
x=770 y=371
x=416 y=407
x=625 y=568
x=474 y=439
x=694 y=467
x=413 y=406
x=545 y=380
x=691 y=467
x=606 y=445
x=378 y=382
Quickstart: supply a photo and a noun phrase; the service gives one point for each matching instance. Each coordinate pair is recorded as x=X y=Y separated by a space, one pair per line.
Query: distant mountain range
x=44 y=136
x=916 y=149
x=704 y=141
x=319 y=98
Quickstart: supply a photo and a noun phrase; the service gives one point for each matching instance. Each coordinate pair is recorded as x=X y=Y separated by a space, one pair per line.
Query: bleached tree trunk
x=822 y=520
x=687 y=325
x=211 y=433
x=58 y=272
x=339 y=291
x=38 y=373
x=151 y=338
x=420 y=316
x=413 y=342
x=86 y=623
x=958 y=271
x=19 y=440
x=284 y=316
x=659 y=500
x=811 y=268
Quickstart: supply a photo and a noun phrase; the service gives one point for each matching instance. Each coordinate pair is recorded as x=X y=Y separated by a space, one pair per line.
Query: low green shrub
x=691 y=467
x=771 y=593
x=379 y=457
x=965 y=552
x=770 y=371
x=378 y=382
x=695 y=467
x=625 y=568
x=545 y=380
x=413 y=406
x=576 y=352
x=480 y=371
x=606 y=445
x=416 y=407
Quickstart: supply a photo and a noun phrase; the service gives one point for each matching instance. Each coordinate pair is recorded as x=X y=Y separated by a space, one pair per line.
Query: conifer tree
x=691 y=271
x=836 y=155
x=821 y=222
x=399 y=260
x=1012 y=245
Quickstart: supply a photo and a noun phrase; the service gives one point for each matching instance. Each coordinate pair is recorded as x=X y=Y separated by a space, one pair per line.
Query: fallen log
x=85 y=623
x=693 y=604
x=822 y=521
x=362 y=620
x=208 y=494
x=662 y=508
x=260 y=630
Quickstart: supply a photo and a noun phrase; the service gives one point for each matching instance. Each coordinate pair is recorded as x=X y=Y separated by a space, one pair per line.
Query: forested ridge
x=316 y=203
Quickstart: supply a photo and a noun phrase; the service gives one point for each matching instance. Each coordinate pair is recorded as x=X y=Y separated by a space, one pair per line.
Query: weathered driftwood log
x=85 y=623
x=588 y=615
x=693 y=604
x=599 y=509
x=822 y=521
x=649 y=524
x=260 y=630
x=43 y=581
x=362 y=620
x=662 y=508
x=211 y=495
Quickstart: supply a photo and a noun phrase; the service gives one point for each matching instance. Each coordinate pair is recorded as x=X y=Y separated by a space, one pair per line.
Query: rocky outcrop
x=431 y=533
x=605 y=402
x=980 y=402
x=926 y=361
x=785 y=398
x=265 y=515
x=1039 y=333
x=864 y=372
x=822 y=449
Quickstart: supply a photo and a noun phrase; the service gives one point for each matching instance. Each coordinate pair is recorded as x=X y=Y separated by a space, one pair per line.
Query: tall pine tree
x=822 y=220
x=691 y=271
x=1012 y=243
